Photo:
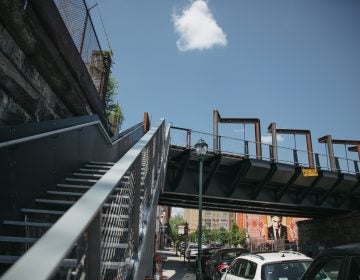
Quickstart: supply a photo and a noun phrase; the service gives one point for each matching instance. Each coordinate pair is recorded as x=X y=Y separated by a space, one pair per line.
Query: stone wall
x=24 y=94
x=42 y=75
x=328 y=232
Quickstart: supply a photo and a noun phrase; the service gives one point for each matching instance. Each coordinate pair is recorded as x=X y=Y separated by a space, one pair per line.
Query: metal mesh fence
x=77 y=19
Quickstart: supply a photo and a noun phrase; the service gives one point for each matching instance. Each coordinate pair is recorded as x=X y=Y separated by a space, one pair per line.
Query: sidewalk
x=174 y=267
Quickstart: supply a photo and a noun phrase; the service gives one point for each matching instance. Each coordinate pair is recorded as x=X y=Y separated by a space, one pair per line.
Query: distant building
x=210 y=219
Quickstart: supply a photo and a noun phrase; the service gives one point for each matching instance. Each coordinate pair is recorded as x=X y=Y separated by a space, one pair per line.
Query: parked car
x=220 y=259
x=281 y=265
x=191 y=251
x=205 y=255
x=340 y=262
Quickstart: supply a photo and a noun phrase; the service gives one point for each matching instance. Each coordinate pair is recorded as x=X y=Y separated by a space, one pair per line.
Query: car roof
x=231 y=249
x=275 y=257
x=347 y=249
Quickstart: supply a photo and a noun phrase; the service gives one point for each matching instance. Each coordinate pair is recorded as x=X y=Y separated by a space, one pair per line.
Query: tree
x=223 y=236
x=113 y=110
x=173 y=229
x=236 y=235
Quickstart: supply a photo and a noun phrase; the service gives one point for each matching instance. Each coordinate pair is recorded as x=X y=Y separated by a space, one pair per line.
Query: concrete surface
x=175 y=268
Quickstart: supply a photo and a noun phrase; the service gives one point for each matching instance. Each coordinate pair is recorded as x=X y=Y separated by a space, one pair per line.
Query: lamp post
x=201 y=149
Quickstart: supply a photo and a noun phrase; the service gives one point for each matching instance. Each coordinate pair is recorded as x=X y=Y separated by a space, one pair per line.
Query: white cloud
x=177 y=211
x=197 y=28
x=268 y=139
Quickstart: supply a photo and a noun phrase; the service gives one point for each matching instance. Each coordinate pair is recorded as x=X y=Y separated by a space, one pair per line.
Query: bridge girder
x=239 y=184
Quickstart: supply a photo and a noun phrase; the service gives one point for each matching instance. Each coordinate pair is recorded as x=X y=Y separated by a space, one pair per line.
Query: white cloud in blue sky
x=197 y=28
x=268 y=139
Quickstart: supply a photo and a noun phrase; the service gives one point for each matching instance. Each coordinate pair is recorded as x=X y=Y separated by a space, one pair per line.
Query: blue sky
x=293 y=62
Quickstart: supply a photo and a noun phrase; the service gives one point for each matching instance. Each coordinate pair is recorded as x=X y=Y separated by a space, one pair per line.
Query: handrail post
x=246 y=148
x=188 y=138
x=309 y=150
x=258 y=140
x=327 y=139
x=93 y=254
x=136 y=206
x=216 y=117
x=272 y=129
x=296 y=160
x=317 y=160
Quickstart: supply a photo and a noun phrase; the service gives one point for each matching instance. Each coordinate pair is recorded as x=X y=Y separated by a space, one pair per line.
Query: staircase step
x=97 y=166
x=115 y=245
x=76 y=194
x=124 y=217
x=42 y=211
x=113 y=265
x=93 y=170
x=87 y=174
x=74 y=186
x=55 y=201
x=81 y=180
x=102 y=163
x=15 y=239
x=115 y=229
x=8 y=259
x=28 y=224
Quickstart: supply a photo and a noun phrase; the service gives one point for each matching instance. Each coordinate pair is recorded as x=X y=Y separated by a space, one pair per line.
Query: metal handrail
x=47 y=254
x=50 y=133
x=71 y=128
x=293 y=152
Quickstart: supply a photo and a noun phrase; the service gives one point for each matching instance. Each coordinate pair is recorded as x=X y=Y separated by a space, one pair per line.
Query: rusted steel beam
x=274 y=131
x=218 y=119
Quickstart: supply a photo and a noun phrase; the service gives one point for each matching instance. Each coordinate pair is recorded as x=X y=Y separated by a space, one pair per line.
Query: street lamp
x=201 y=149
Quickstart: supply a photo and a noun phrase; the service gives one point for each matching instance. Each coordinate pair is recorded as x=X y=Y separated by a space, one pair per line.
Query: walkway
x=174 y=267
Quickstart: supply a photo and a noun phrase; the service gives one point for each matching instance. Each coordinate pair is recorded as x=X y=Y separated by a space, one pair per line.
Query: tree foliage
x=172 y=229
x=237 y=235
x=113 y=111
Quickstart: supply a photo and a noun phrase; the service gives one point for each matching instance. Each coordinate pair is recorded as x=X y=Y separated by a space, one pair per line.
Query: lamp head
x=201 y=148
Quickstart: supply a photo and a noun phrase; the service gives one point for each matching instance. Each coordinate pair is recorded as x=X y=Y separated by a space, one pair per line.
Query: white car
x=284 y=265
x=191 y=251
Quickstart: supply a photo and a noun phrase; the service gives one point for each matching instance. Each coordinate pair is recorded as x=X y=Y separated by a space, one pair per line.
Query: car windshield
x=284 y=270
x=229 y=256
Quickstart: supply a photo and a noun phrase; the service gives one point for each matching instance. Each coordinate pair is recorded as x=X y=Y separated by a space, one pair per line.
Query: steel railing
x=278 y=154
x=108 y=233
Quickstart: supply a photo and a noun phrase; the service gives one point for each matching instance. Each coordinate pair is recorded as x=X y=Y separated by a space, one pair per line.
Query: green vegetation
x=236 y=236
x=172 y=229
x=113 y=111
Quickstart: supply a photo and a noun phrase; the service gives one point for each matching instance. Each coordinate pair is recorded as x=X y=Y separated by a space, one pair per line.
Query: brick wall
x=328 y=232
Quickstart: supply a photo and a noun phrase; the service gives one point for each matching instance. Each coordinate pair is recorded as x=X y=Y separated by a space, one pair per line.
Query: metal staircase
x=37 y=220
x=98 y=223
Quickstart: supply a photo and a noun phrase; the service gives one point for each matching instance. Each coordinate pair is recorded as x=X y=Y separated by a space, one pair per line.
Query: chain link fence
x=77 y=19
